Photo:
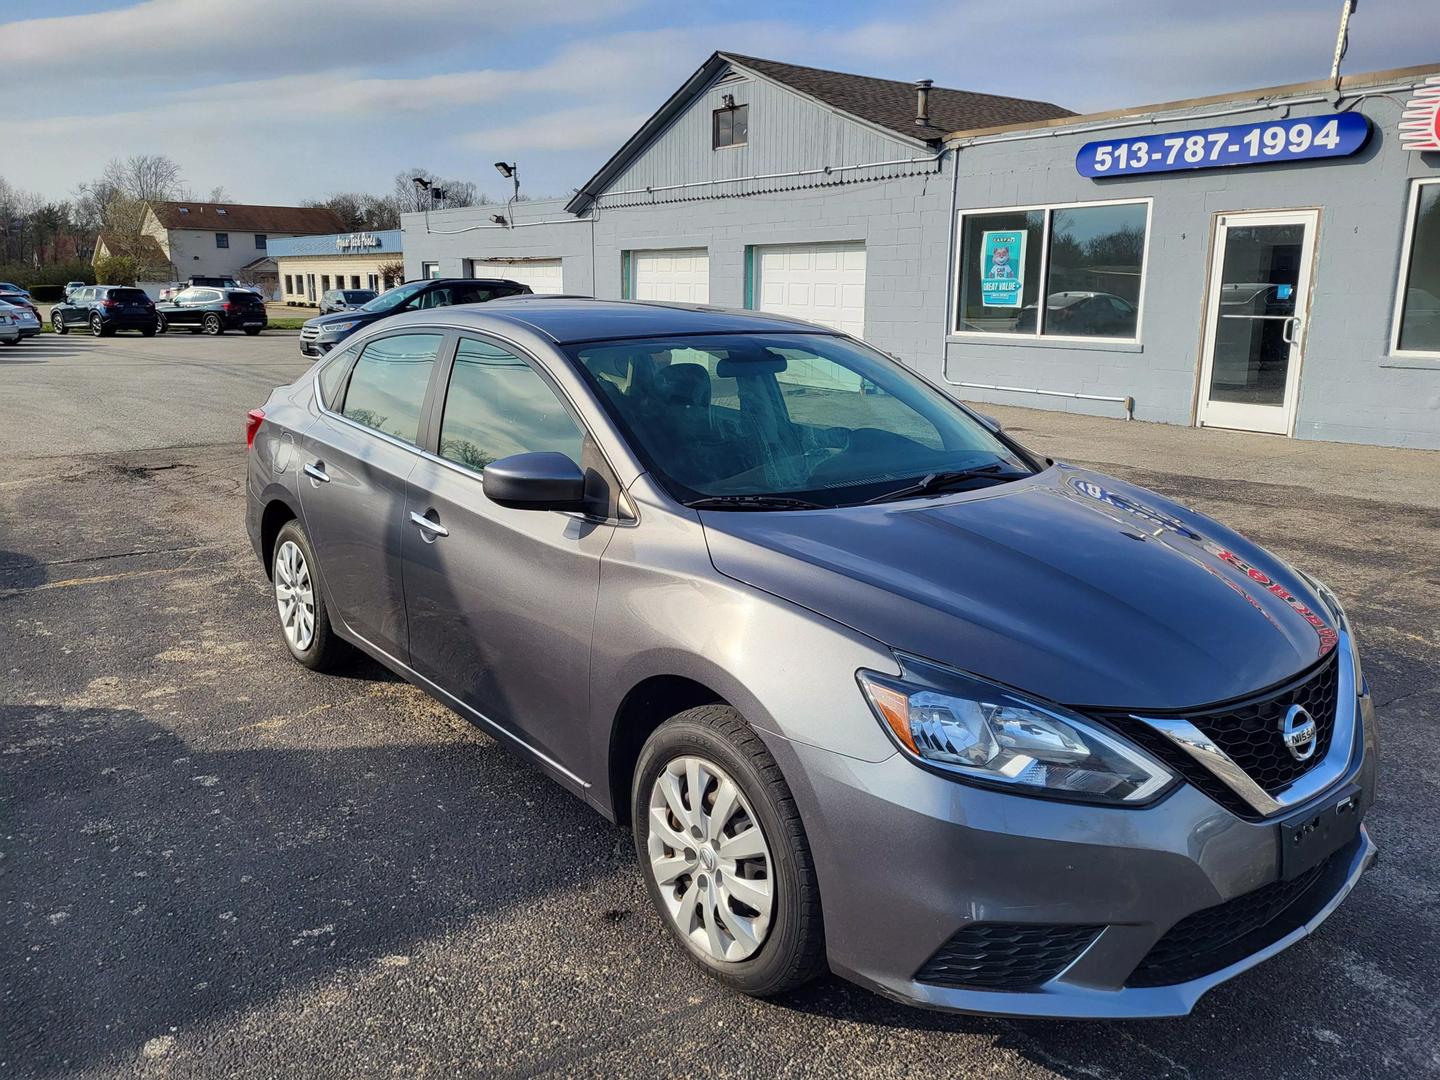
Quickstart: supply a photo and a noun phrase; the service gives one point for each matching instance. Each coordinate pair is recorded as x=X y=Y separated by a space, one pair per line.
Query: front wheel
x=304 y=620
x=724 y=853
x=58 y=324
x=161 y=326
x=211 y=325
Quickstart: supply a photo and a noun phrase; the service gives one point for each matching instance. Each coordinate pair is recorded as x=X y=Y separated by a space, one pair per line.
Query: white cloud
x=584 y=127
x=183 y=40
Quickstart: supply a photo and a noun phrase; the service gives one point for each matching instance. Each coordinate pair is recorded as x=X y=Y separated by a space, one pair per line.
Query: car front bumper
x=907 y=860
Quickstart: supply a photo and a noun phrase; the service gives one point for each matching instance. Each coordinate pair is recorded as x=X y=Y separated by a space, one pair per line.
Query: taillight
x=252 y=425
x=109 y=303
x=227 y=307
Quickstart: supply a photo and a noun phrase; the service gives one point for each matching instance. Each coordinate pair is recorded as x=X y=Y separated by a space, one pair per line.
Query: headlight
x=337 y=328
x=982 y=732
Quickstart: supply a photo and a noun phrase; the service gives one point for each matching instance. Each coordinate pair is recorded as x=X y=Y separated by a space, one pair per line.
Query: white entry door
x=822 y=283
x=681 y=274
x=542 y=275
x=1255 y=325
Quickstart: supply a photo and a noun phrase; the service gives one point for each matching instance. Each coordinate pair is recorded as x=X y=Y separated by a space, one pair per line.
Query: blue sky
x=279 y=100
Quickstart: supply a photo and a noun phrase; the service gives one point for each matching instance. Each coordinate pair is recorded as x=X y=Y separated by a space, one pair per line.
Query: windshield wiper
x=752 y=502
x=939 y=481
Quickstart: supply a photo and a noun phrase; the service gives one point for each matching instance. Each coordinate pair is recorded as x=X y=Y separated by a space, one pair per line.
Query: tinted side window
x=387 y=387
x=332 y=377
x=498 y=405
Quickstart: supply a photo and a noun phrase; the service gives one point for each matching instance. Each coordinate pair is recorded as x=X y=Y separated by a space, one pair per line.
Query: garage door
x=542 y=275
x=682 y=275
x=822 y=283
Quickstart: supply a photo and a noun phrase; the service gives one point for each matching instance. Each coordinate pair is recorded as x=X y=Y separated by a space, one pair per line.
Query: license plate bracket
x=1310 y=838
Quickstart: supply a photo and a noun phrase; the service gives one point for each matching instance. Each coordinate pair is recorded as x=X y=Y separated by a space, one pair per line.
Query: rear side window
x=387 y=387
x=332 y=378
x=498 y=405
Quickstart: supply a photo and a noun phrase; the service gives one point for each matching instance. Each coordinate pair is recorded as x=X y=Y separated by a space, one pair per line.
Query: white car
x=16 y=322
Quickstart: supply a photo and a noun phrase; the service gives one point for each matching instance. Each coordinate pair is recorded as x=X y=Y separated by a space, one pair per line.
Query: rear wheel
x=97 y=326
x=58 y=324
x=724 y=853
x=211 y=325
x=304 y=621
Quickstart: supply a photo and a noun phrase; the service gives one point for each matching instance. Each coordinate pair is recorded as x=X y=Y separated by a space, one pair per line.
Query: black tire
x=13 y=341
x=161 y=326
x=793 y=952
x=211 y=325
x=58 y=324
x=148 y=331
x=325 y=651
x=97 y=326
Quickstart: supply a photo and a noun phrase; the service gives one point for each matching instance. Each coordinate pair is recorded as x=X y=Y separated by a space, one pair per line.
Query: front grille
x=309 y=333
x=1216 y=937
x=1006 y=956
x=1248 y=731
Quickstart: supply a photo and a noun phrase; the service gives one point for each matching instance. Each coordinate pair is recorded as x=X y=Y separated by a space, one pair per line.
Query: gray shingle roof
x=891 y=104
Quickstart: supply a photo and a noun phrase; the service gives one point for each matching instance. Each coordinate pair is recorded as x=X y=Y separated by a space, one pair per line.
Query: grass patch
x=284 y=323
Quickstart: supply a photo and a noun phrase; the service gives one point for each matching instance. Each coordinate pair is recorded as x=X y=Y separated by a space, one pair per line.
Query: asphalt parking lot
x=216 y=863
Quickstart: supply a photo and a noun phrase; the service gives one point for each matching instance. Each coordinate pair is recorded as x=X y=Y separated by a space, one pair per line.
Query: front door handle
x=431 y=528
x=316 y=471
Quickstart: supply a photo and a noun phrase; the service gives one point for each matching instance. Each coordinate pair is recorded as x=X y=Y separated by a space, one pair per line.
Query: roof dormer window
x=219 y=210
x=184 y=209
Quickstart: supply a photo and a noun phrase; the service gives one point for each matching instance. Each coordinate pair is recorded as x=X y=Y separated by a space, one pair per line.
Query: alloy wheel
x=96 y=326
x=294 y=596
x=710 y=859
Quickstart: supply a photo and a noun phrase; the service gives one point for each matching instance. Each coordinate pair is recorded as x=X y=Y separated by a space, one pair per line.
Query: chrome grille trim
x=1324 y=773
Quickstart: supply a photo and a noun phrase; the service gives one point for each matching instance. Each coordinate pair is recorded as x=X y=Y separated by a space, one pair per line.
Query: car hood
x=1069 y=584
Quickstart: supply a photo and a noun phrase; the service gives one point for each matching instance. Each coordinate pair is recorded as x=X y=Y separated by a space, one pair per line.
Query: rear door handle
x=431 y=528
x=316 y=471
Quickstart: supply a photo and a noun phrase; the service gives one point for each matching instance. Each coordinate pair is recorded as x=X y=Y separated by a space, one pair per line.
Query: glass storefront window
x=987 y=241
x=1418 y=324
x=1090 y=271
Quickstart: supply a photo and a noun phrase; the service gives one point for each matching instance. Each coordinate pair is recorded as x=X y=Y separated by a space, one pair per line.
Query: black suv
x=319 y=335
x=105 y=309
x=213 y=311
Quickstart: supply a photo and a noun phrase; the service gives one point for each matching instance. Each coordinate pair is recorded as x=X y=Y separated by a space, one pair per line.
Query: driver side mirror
x=536 y=481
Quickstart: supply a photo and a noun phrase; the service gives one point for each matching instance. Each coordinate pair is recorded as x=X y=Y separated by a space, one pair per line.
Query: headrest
x=684 y=384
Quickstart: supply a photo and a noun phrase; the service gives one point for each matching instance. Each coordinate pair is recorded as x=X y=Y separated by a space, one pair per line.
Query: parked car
x=11 y=287
x=105 y=309
x=213 y=311
x=321 y=334
x=333 y=300
x=869 y=682
x=1077 y=313
x=17 y=323
x=31 y=326
x=71 y=286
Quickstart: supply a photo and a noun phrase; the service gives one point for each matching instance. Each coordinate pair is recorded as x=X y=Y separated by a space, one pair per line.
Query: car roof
x=566 y=320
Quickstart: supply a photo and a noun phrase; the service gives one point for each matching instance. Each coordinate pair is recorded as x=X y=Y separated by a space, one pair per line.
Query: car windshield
x=388 y=301
x=807 y=417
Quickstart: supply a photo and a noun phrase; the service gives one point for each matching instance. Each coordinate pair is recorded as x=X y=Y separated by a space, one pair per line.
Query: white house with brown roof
x=221 y=239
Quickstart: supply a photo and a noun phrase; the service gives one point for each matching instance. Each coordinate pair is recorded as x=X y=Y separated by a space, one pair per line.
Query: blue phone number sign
x=1300 y=139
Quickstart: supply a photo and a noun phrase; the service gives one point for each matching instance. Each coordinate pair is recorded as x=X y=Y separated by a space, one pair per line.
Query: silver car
x=873 y=686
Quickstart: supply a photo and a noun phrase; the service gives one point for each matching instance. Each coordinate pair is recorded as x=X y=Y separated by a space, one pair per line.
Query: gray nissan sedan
x=875 y=688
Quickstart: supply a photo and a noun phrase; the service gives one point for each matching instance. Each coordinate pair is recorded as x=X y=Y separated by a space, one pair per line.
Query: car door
x=77 y=308
x=355 y=460
x=501 y=601
x=181 y=311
